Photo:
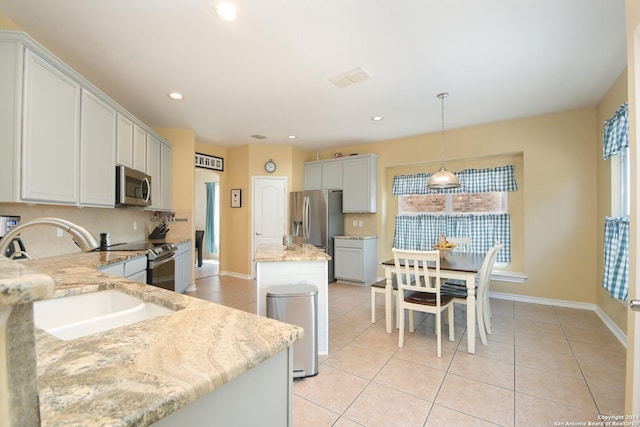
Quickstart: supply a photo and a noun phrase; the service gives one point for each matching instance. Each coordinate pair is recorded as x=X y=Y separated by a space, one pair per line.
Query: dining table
x=455 y=265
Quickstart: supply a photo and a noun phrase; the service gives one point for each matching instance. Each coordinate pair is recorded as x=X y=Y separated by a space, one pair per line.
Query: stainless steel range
x=161 y=266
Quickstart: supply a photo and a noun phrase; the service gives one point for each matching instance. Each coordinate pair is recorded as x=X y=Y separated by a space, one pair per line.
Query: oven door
x=161 y=272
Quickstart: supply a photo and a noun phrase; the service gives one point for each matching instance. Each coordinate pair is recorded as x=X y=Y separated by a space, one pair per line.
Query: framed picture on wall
x=209 y=162
x=236 y=198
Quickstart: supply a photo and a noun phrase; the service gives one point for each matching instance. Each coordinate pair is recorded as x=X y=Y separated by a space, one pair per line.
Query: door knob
x=258 y=234
x=635 y=304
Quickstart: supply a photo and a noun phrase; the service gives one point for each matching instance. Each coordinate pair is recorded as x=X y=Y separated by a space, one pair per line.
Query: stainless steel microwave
x=133 y=188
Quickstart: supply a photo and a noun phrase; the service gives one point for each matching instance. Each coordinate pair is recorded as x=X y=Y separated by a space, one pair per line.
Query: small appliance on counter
x=16 y=250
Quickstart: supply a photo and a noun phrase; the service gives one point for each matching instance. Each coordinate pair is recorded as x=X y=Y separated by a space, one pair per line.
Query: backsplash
x=42 y=241
x=365 y=225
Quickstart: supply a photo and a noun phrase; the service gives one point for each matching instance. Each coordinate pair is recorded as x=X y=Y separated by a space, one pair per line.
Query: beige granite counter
x=137 y=374
x=281 y=253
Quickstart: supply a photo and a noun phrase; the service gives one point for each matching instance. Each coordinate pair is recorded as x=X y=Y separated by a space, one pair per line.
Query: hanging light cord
x=442 y=96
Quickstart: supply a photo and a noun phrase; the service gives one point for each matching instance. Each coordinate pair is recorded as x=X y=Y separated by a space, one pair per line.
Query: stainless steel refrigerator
x=316 y=217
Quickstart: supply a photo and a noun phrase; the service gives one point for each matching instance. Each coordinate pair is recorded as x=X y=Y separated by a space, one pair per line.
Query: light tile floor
x=543 y=364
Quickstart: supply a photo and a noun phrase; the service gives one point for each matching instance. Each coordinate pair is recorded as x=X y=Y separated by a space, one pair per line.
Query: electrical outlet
x=59 y=232
x=135 y=225
x=354 y=223
x=360 y=223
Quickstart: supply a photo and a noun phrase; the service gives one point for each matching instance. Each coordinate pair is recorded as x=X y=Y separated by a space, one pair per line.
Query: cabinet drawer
x=135 y=265
x=115 y=269
x=349 y=243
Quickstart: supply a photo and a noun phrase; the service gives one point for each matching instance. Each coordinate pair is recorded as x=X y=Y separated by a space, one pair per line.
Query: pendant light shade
x=443 y=179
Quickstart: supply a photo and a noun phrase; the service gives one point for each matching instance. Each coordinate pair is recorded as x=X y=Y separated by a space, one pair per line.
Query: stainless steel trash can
x=298 y=305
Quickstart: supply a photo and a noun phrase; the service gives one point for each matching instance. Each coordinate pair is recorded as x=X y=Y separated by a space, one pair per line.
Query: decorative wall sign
x=236 y=198
x=209 y=162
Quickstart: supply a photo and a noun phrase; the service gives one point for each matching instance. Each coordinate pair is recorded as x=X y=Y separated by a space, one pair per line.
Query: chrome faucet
x=81 y=236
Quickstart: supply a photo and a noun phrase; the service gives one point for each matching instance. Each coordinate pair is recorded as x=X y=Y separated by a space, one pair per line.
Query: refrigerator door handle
x=305 y=219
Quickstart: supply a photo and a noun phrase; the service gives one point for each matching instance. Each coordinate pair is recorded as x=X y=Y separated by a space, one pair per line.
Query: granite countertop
x=355 y=237
x=137 y=374
x=280 y=253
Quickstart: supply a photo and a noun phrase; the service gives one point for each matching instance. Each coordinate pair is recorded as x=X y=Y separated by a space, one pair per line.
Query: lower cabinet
x=134 y=269
x=183 y=267
x=355 y=259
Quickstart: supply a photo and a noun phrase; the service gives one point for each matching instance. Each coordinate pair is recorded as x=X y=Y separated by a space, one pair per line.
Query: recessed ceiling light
x=226 y=11
x=292 y=137
x=176 y=95
x=377 y=118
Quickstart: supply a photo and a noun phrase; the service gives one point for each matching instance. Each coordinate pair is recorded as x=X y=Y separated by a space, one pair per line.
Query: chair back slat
x=413 y=274
x=463 y=244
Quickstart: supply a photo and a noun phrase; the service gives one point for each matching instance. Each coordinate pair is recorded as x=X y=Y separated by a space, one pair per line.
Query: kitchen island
x=295 y=265
x=197 y=366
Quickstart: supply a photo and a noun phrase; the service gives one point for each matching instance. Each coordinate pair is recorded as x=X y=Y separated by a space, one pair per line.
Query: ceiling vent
x=350 y=77
x=258 y=136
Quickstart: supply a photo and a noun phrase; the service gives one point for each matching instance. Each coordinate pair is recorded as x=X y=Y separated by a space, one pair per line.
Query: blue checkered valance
x=616 y=257
x=421 y=232
x=487 y=180
x=615 y=134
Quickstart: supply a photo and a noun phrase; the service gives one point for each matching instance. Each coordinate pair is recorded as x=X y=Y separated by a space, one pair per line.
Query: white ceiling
x=268 y=72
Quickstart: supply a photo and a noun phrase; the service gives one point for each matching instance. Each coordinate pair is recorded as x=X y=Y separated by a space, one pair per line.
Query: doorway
x=207 y=197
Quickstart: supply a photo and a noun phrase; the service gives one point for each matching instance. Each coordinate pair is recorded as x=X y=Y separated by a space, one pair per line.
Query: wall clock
x=270 y=166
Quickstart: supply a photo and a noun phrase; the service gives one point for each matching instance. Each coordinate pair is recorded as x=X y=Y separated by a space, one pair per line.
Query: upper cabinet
x=355 y=175
x=50 y=137
x=60 y=137
x=97 y=151
x=360 y=174
x=323 y=175
x=132 y=144
x=159 y=168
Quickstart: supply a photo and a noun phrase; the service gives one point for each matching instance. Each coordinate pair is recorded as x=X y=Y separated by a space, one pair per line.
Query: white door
x=269 y=211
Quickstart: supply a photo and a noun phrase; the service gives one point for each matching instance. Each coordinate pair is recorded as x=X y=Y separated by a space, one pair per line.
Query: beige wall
x=616 y=96
x=557 y=188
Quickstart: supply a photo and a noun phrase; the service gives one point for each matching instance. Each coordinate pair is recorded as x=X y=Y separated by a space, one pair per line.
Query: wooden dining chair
x=380 y=288
x=483 y=279
x=419 y=290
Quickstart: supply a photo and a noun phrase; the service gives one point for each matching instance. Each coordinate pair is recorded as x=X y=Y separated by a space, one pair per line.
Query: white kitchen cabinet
x=159 y=168
x=153 y=169
x=124 y=150
x=11 y=55
x=139 y=148
x=97 y=152
x=134 y=269
x=50 y=114
x=47 y=112
x=165 y=176
x=323 y=175
x=359 y=183
x=183 y=267
x=355 y=259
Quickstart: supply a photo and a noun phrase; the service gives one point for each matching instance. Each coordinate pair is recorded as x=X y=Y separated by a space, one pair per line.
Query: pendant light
x=443 y=179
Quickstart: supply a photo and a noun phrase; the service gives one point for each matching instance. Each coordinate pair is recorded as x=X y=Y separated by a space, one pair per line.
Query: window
x=477 y=209
x=453 y=203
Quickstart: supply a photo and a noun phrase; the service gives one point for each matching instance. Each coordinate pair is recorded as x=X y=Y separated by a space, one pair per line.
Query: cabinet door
x=165 y=176
x=332 y=175
x=97 y=152
x=348 y=264
x=313 y=176
x=124 y=151
x=153 y=169
x=10 y=119
x=179 y=276
x=51 y=112
x=359 y=184
x=139 y=149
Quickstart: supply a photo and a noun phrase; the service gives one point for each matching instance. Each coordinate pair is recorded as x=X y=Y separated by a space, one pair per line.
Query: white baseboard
x=615 y=330
x=234 y=274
